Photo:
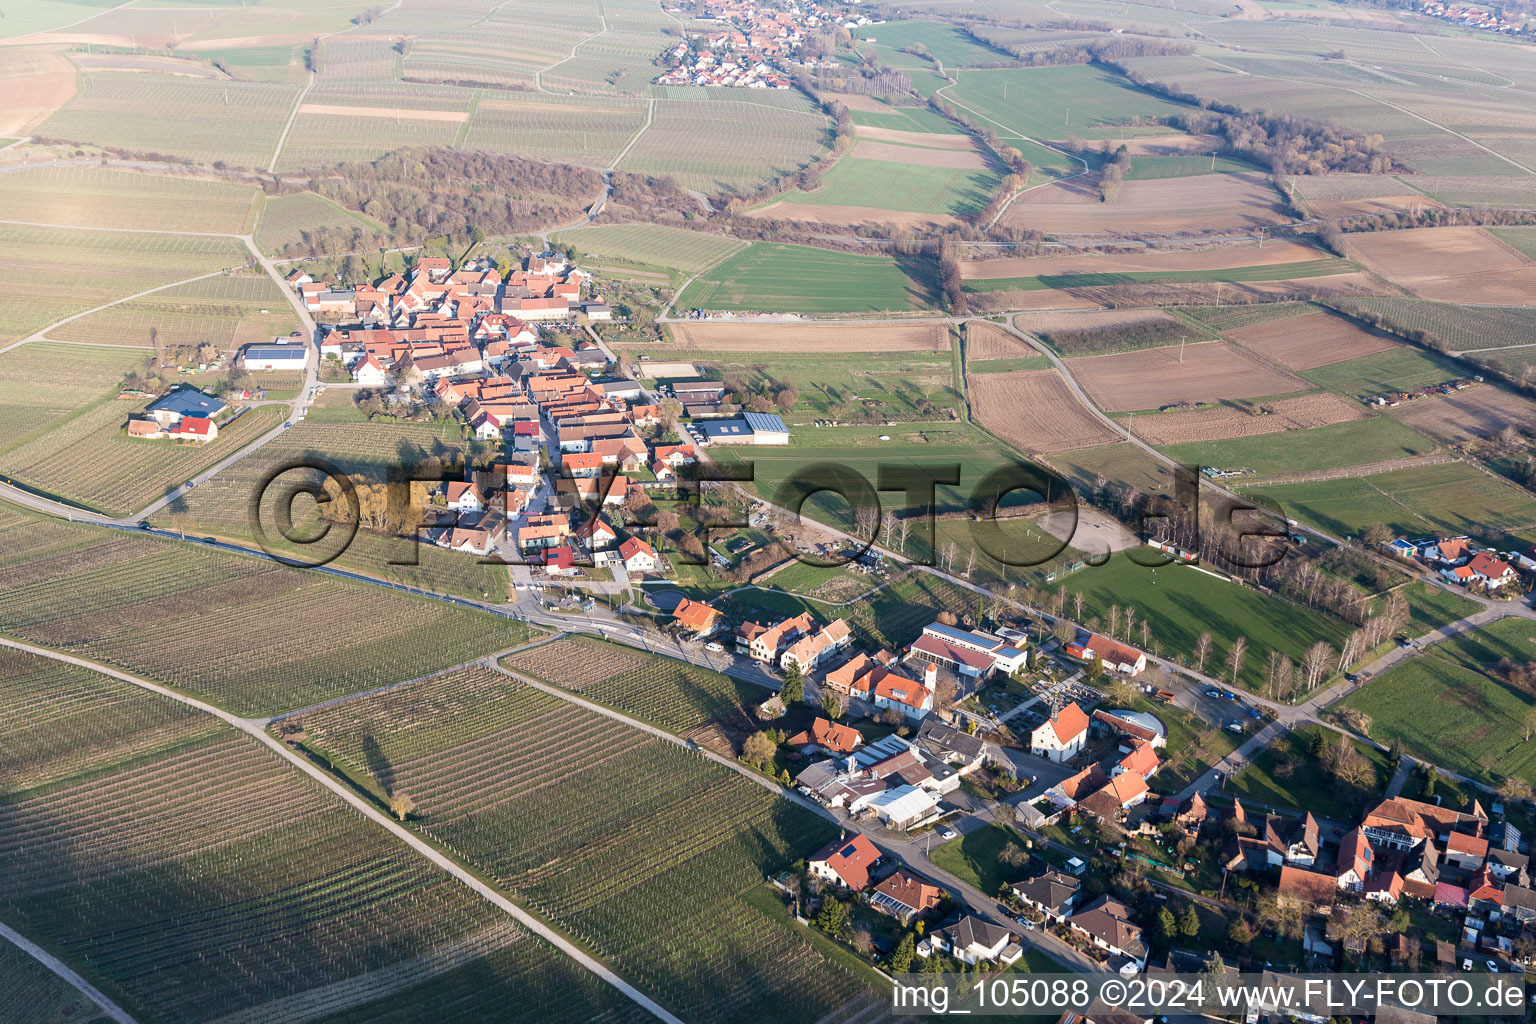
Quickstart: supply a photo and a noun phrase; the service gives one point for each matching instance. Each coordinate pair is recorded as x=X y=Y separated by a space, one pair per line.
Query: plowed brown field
x=1207 y=202
x=989 y=341
x=1318 y=339
x=1200 y=259
x=1449 y=264
x=1223 y=422
x=1035 y=410
x=1154 y=377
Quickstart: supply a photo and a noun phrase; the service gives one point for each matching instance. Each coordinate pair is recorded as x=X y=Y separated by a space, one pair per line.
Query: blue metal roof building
x=188 y=401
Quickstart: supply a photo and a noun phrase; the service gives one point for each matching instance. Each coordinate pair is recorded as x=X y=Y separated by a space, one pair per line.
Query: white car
x=947 y=833
x=1493 y=968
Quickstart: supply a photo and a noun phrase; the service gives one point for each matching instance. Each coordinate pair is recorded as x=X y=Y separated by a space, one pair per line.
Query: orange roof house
x=829 y=735
x=695 y=615
x=846 y=862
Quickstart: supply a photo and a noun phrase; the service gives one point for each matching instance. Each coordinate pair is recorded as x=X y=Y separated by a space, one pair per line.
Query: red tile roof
x=840 y=739
x=850 y=860
x=1069 y=723
x=694 y=615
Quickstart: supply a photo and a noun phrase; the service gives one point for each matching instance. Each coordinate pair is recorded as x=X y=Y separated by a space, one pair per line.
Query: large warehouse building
x=749 y=428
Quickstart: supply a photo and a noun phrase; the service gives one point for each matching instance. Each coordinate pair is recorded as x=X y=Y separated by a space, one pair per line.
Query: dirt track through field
x=927 y=140
x=1317 y=339
x=841 y=216
x=1154 y=378
x=1035 y=410
x=1225 y=422
x=403 y=113
x=918 y=156
x=1224 y=258
x=35 y=83
x=1207 y=202
x=828 y=339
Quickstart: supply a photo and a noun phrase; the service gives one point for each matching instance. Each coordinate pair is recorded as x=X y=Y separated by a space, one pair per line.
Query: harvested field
x=989 y=341
x=1318 y=339
x=1041 y=298
x=920 y=155
x=1200 y=259
x=1451 y=264
x=1477 y=412
x=1036 y=411
x=1229 y=421
x=858 y=101
x=823 y=340
x=1087 y=320
x=927 y=140
x=398 y=113
x=1372 y=205
x=36 y=83
x=1154 y=377
x=1209 y=202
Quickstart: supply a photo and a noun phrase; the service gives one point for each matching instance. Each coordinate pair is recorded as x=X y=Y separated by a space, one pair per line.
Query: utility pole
x=1181 y=347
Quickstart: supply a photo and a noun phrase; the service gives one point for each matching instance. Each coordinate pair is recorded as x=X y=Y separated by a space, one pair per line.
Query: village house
x=638 y=556
x=969 y=654
x=1106 y=923
x=814 y=648
x=1052 y=893
x=904 y=897
x=696 y=616
x=845 y=862
x=1115 y=656
x=1356 y=859
x=972 y=940
x=829 y=736
x=763 y=643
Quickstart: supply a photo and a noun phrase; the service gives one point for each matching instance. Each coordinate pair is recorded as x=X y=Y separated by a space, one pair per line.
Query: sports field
x=1451 y=499
x=772 y=277
x=1181 y=602
x=1447 y=707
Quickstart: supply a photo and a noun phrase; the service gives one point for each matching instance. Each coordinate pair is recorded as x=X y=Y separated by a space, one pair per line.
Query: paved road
x=256 y=729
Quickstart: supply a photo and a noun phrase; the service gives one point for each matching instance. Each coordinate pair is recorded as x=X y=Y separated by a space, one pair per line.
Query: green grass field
x=1181 y=602
x=887 y=185
x=1397 y=370
x=772 y=277
x=906 y=119
x=1453 y=498
x=1297 y=451
x=1148 y=168
x=973 y=858
x=651 y=246
x=1058 y=102
x=1286 y=774
x=1271 y=272
x=1445 y=707
x=849 y=388
x=950 y=46
x=143 y=823
x=1007 y=365
x=1430 y=607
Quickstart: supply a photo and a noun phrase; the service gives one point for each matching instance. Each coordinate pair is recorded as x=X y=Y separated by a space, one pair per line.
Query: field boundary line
x=538 y=76
x=255 y=729
x=39 y=335
x=650 y=114
x=66 y=974
x=293 y=115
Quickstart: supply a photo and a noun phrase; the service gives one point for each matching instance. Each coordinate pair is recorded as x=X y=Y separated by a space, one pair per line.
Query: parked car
x=947 y=833
x=712 y=646
x=1493 y=968
x=1255 y=713
x=1213 y=692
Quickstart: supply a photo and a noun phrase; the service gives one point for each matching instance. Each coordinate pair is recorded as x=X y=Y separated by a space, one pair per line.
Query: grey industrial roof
x=764 y=422
x=189 y=402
